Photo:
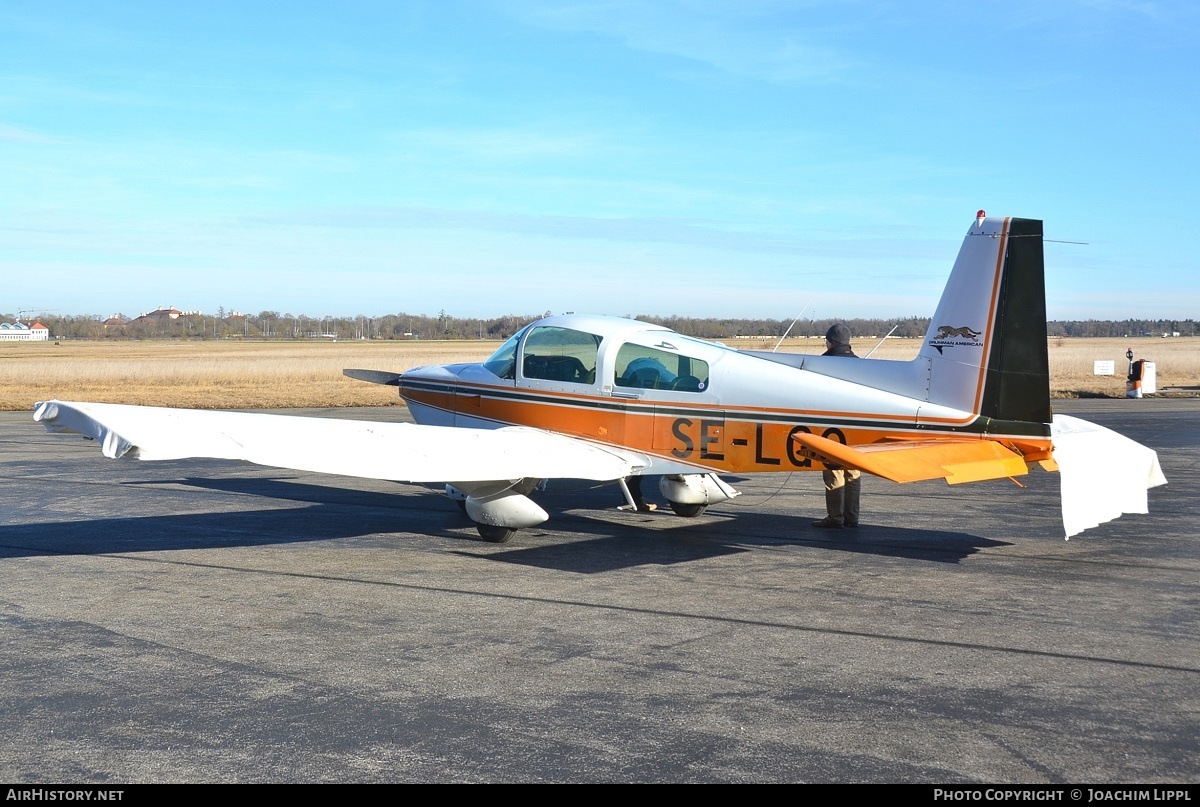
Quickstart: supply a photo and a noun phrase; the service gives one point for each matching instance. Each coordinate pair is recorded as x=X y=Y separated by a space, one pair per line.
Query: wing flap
x=956 y=461
x=402 y=452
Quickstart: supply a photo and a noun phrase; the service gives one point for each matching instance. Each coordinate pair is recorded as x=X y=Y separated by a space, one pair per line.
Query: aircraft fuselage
x=735 y=413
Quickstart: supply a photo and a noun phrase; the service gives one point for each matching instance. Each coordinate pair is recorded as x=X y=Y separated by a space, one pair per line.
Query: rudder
x=1017 y=381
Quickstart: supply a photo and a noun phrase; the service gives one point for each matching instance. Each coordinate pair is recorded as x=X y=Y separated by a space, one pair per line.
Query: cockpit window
x=650 y=368
x=561 y=354
x=503 y=362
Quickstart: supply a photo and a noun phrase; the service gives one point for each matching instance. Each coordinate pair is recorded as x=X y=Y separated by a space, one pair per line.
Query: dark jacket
x=840 y=350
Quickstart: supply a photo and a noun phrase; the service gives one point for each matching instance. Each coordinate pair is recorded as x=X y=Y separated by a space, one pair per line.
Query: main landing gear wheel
x=688 y=510
x=493 y=534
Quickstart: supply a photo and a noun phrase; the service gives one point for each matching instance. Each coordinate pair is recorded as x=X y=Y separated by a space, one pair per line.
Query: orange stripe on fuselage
x=694 y=434
x=568 y=398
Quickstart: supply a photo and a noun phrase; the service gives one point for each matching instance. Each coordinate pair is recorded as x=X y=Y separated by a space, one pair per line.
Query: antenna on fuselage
x=884 y=339
x=789 y=328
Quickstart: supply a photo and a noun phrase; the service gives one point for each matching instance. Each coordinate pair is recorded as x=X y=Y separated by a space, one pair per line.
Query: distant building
x=171 y=312
x=19 y=332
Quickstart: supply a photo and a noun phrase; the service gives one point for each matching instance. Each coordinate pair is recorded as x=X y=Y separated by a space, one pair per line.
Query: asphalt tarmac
x=208 y=621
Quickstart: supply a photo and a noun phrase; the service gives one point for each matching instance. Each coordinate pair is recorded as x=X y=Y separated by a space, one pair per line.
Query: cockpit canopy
x=551 y=351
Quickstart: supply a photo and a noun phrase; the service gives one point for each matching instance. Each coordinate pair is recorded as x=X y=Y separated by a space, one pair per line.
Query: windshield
x=503 y=362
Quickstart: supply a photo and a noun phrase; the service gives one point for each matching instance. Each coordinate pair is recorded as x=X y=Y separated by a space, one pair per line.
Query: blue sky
x=744 y=159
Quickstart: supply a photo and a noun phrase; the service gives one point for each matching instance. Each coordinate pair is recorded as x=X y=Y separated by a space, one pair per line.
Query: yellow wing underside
x=956 y=461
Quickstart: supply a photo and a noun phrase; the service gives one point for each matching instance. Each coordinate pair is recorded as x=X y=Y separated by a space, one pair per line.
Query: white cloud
x=769 y=41
x=17 y=134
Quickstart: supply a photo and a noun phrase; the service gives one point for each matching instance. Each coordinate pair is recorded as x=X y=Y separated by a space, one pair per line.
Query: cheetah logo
x=952 y=337
x=946 y=332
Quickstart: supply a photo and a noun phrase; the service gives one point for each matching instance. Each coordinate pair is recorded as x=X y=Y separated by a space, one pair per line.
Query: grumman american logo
x=948 y=336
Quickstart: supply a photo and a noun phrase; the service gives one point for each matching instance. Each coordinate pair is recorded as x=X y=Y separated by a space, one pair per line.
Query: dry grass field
x=217 y=374
x=246 y=375
x=1177 y=361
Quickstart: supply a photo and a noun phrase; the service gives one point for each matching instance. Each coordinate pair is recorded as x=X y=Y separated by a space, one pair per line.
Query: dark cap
x=838 y=334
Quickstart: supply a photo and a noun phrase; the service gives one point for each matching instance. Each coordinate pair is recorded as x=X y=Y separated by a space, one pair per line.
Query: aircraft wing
x=402 y=452
x=1102 y=473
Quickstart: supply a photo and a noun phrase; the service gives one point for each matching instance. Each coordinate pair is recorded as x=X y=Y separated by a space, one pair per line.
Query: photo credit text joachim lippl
x=1075 y=794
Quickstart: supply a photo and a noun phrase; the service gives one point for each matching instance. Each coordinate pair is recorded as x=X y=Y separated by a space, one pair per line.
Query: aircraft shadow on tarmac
x=714 y=536
x=583 y=507
x=598 y=538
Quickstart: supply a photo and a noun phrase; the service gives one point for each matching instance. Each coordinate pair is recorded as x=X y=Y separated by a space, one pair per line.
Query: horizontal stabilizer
x=401 y=452
x=956 y=461
x=1103 y=474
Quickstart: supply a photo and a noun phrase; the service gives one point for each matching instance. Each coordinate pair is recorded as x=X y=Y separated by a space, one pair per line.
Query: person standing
x=634 y=485
x=843 y=486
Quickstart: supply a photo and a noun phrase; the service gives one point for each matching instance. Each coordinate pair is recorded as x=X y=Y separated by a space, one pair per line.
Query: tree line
x=273 y=325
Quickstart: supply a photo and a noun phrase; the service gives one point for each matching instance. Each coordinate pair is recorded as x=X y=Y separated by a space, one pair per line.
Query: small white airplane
x=606 y=398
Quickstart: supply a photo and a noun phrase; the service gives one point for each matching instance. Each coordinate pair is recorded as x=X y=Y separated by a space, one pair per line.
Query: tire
x=493 y=534
x=688 y=510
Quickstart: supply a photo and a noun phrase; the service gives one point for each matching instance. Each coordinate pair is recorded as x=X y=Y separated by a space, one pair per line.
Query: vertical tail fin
x=986 y=345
